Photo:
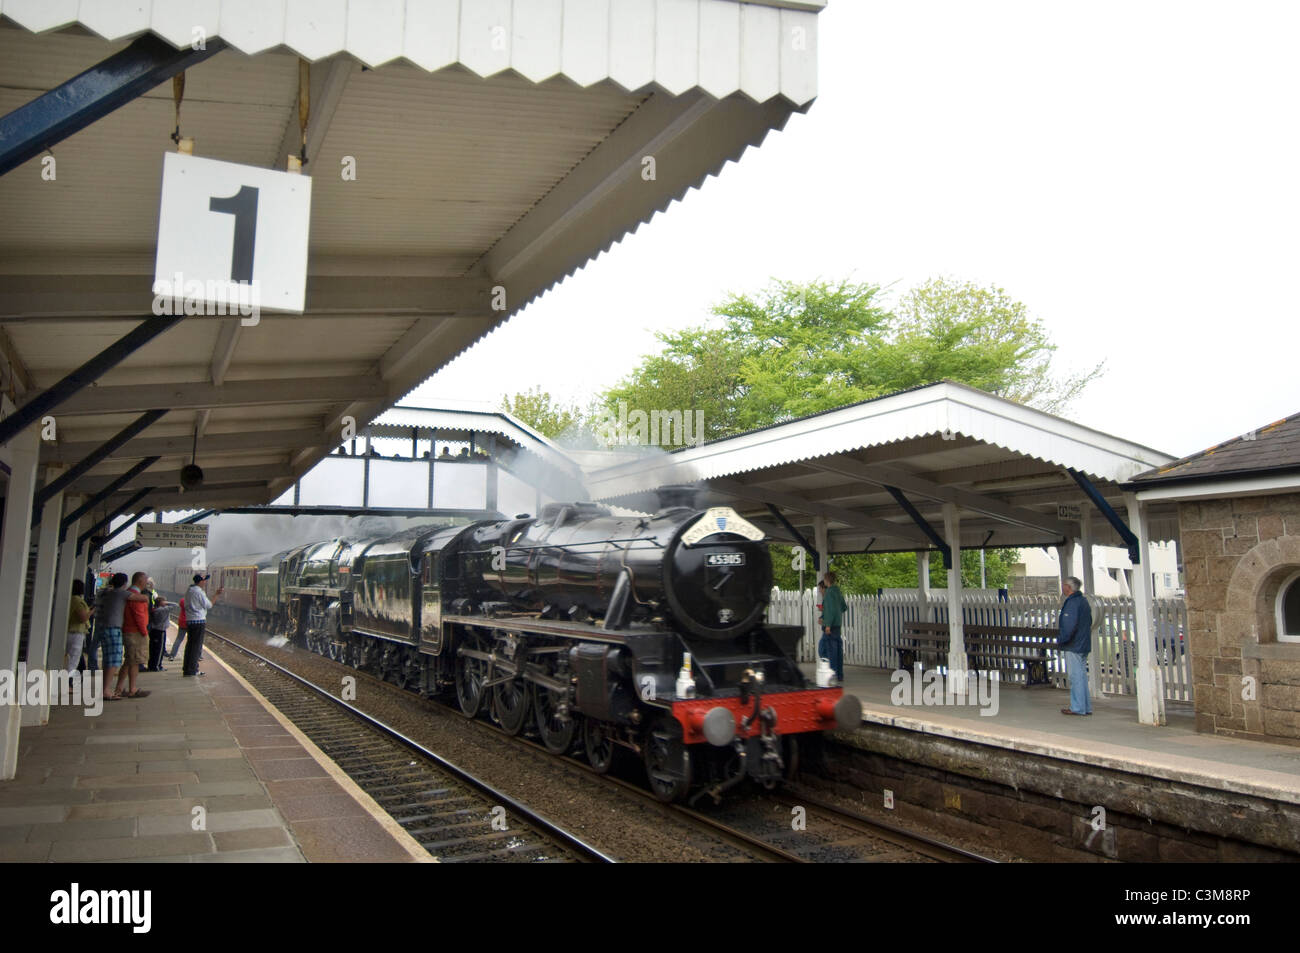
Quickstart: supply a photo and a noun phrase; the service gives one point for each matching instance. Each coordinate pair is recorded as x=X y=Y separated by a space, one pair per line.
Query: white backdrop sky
x=1126 y=169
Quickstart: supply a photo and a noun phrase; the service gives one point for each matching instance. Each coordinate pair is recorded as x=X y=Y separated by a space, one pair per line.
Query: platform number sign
x=228 y=232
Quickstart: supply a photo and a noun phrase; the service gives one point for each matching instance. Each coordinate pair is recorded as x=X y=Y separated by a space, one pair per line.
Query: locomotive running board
x=537 y=626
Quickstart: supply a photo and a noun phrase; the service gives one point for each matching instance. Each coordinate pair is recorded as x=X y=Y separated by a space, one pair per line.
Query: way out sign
x=183 y=535
x=230 y=238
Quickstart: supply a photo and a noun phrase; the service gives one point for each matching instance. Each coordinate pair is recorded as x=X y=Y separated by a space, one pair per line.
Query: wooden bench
x=1005 y=648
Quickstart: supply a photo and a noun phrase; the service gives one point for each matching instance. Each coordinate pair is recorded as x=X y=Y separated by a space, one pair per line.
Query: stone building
x=1239 y=521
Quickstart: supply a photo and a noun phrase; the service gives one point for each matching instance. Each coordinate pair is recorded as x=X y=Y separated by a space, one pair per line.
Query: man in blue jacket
x=1075 y=641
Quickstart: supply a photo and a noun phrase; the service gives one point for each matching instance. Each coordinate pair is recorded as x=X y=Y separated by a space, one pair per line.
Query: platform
x=124 y=785
x=1053 y=770
x=1030 y=720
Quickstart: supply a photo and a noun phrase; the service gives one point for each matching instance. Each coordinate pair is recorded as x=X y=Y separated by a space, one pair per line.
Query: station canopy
x=496 y=145
x=1006 y=467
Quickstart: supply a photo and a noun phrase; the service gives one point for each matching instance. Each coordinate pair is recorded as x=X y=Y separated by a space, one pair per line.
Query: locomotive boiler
x=609 y=634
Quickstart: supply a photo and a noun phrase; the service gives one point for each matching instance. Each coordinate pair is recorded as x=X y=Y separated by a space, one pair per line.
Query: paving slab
x=126 y=785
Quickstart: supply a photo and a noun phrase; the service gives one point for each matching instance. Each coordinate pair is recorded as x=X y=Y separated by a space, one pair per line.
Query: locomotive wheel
x=667 y=762
x=557 y=733
x=598 y=742
x=470 y=674
x=512 y=705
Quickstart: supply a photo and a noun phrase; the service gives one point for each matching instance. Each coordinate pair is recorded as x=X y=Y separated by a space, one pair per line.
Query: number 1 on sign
x=242 y=205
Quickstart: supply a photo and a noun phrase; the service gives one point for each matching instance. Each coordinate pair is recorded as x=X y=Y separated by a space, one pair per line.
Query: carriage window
x=1288 y=610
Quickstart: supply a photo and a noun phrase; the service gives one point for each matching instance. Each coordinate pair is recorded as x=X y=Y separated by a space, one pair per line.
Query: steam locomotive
x=608 y=633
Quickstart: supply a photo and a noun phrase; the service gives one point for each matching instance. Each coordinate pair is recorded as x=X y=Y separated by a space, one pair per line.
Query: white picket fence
x=873 y=626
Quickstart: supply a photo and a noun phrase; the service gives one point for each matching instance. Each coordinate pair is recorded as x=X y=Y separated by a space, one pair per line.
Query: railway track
x=456 y=816
x=775 y=827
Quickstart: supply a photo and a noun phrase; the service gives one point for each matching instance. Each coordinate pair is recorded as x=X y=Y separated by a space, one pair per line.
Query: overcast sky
x=1126 y=169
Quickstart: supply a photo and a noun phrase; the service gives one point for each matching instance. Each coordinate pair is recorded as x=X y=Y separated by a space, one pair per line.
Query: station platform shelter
x=398 y=180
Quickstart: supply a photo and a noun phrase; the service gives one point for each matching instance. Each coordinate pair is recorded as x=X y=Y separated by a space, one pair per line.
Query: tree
x=698 y=370
x=805 y=348
x=542 y=412
x=795 y=349
x=978 y=336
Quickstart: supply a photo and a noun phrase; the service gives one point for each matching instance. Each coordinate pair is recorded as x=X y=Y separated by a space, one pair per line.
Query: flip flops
x=138 y=693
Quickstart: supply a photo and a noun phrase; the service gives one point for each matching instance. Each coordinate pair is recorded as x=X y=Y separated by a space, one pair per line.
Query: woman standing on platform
x=78 y=623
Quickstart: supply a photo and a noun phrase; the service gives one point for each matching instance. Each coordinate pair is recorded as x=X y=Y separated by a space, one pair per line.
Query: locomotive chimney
x=677 y=495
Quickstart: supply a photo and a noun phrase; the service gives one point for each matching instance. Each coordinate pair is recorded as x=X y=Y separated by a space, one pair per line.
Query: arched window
x=1288 y=609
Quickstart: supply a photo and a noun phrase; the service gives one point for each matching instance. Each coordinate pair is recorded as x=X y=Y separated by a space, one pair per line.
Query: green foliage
x=978 y=336
x=698 y=369
x=805 y=348
x=865 y=573
x=543 y=413
x=795 y=349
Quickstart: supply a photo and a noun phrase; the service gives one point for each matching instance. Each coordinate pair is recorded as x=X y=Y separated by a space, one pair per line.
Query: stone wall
x=1046 y=809
x=1236 y=554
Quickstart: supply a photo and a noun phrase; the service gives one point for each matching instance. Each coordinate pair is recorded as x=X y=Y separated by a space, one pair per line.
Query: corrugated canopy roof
x=475 y=170
x=1003 y=464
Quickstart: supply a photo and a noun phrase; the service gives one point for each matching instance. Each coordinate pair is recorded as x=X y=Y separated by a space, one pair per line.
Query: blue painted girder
x=72 y=106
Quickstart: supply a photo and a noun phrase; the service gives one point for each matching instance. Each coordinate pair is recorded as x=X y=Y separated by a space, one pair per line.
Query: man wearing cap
x=197 y=605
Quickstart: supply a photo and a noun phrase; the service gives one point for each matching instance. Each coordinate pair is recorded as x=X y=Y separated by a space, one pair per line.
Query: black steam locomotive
x=642 y=634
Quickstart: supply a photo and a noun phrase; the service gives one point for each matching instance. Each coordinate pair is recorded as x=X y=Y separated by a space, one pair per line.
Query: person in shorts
x=111 y=606
x=135 y=638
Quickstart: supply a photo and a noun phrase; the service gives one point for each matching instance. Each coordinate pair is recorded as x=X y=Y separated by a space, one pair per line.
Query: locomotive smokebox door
x=718 y=578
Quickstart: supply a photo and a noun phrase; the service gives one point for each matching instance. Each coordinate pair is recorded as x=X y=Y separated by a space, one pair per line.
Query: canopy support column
x=956 y=632
x=1089 y=579
x=821 y=540
x=38 y=631
x=923 y=584
x=68 y=562
x=1150 y=684
x=15 y=542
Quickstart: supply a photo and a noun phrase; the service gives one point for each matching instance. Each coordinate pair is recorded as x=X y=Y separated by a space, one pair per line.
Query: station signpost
x=171 y=535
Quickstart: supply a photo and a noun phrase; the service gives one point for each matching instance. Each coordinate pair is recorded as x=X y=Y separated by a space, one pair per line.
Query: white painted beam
x=908 y=482
x=209 y=444
x=214 y=476
x=839 y=514
x=136 y=398
x=50 y=297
